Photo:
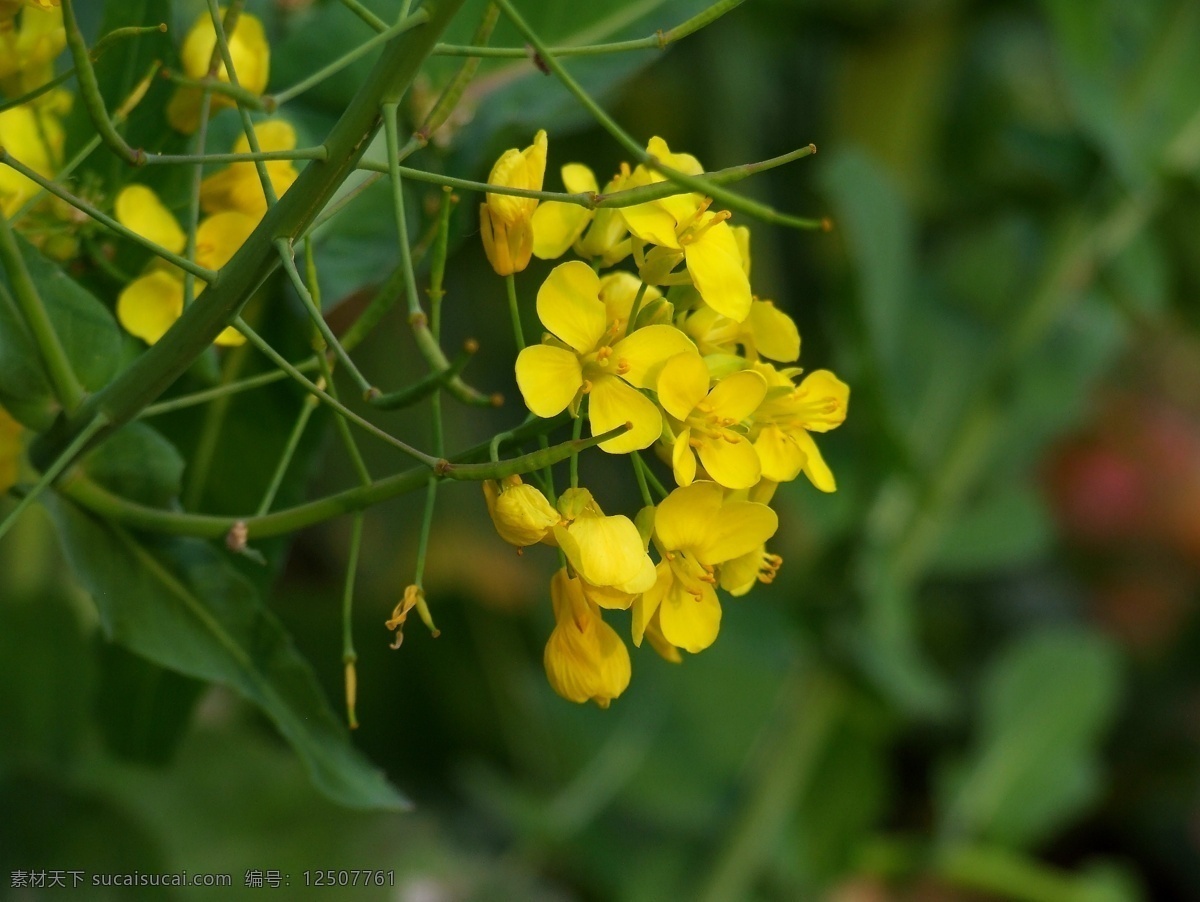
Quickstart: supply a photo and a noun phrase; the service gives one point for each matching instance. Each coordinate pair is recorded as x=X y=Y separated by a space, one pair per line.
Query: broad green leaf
x=136 y=462
x=1007 y=527
x=178 y=604
x=85 y=327
x=1044 y=707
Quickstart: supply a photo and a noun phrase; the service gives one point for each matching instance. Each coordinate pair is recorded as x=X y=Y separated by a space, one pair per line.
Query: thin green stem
x=220 y=391
x=205 y=451
x=365 y=14
x=392 y=136
x=155 y=519
x=300 y=153
x=349 y=655
x=193 y=222
x=641 y=481
x=318 y=319
x=648 y=474
x=89 y=89
x=427 y=385
x=419 y=18
x=594 y=201
x=275 y=357
x=54 y=357
x=214 y=85
x=660 y=40
x=514 y=311
x=65 y=459
x=576 y=432
x=83 y=206
x=695 y=183
x=454 y=89
x=307 y=407
x=426 y=527
x=437 y=265
x=636 y=308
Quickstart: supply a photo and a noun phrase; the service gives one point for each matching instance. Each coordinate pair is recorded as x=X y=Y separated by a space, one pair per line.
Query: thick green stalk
x=256 y=260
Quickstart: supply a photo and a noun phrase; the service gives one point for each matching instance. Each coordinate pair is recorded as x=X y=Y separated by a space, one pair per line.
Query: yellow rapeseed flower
x=251 y=55
x=696 y=529
x=585 y=357
x=607 y=552
x=520 y=512
x=557 y=225
x=238 y=187
x=708 y=424
x=585 y=659
x=28 y=51
x=506 y=222
x=787 y=416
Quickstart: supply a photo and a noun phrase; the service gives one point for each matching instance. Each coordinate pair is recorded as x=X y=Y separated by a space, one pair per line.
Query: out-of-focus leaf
x=178 y=604
x=136 y=462
x=881 y=242
x=1007 y=527
x=1045 y=704
x=88 y=333
x=142 y=709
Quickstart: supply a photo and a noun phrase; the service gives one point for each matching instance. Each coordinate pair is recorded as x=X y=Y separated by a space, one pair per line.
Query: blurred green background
x=975 y=677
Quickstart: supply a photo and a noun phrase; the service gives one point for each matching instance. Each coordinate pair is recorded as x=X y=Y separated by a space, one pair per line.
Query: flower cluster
x=234 y=202
x=699 y=369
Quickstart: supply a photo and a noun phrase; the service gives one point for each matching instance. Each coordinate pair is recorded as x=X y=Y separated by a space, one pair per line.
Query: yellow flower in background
x=766 y=332
x=606 y=552
x=618 y=290
x=696 y=529
x=683 y=230
x=585 y=659
x=787 y=416
x=35 y=137
x=520 y=512
x=505 y=222
x=708 y=424
x=584 y=358
x=28 y=51
x=607 y=238
x=251 y=55
x=238 y=187
x=10 y=450
x=557 y=225
x=149 y=305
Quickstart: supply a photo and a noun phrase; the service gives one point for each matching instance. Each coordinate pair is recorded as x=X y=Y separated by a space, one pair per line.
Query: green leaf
x=178 y=604
x=136 y=462
x=1007 y=527
x=1045 y=705
x=85 y=327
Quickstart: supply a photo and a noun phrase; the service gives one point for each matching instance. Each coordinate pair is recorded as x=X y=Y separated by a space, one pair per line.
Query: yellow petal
x=741 y=527
x=549 y=378
x=688 y=621
x=569 y=305
x=556 y=226
x=139 y=209
x=780 y=455
x=815 y=468
x=681 y=162
x=230 y=338
x=644 y=352
x=774 y=332
x=731 y=461
x=218 y=237
x=645 y=605
x=521 y=513
x=618 y=290
x=149 y=306
x=659 y=643
x=518 y=169
x=737 y=396
x=682 y=520
x=248 y=48
x=585 y=659
x=682 y=384
x=715 y=265
x=605 y=551
x=822 y=398
x=683 y=460
x=613 y=402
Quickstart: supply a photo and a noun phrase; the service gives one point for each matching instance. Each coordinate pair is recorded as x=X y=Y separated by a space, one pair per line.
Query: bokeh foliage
x=926 y=700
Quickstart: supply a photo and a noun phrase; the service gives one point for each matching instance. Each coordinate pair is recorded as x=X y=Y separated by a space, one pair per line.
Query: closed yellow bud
x=521 y=513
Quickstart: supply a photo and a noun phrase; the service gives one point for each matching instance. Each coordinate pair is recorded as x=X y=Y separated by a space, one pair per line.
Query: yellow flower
x=521 y=513
x=21 y=133
x=585 y=659
x=27 y=52
x=238 y=187
x=149 y=305
x=10 y=450
x=696 y=529
x=708 y=423
x=606 y=552
x=556 y=225
x=608 y=237
x=683 y=230
x=251 y=57
x=739 y=575
x=618 y=290
x=766 y=332
x=786 y=418
x=584 y=357
x=505 y=222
